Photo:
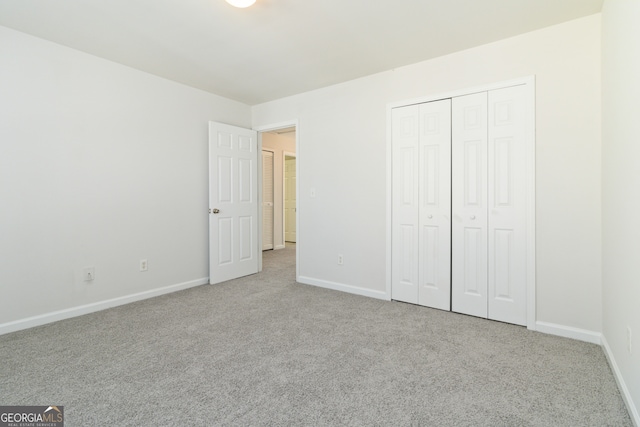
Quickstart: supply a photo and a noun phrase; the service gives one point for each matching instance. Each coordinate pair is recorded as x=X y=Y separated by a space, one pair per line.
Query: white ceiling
x=278 y=48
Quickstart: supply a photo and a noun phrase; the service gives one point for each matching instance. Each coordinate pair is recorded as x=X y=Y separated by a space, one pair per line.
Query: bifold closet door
x=421 y=220
x=507 y=231
x=405 y=214
x=489 y=194
x=469 y=204
x=267 y=200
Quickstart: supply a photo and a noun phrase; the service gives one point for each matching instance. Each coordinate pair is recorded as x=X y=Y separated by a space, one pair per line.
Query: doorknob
x=430 y=216
x=215 y=211
x=473 y=217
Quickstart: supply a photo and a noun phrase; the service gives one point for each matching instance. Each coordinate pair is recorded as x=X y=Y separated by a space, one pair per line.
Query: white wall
x=342 y=154
x=621 y=180
x=279 y=144
x=100 y=165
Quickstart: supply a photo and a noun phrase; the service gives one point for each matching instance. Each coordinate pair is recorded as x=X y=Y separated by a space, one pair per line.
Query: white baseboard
x=279 y=247
x=622 y=386
x=595 y=338
x=343 y=288
x=569 y=332
x=54 y=316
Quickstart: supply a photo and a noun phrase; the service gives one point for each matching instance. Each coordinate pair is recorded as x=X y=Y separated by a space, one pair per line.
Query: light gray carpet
x=263 y=350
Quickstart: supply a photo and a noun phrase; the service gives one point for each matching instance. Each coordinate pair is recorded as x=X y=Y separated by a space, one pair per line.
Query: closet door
x=421 y=225
x=405 y=210
x=267 y=200
x=469 y=204
x=435 y=205
x=290 y=233
x=507 y=205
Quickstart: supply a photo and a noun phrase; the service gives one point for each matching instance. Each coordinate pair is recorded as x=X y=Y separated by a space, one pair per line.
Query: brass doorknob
x=215 y=211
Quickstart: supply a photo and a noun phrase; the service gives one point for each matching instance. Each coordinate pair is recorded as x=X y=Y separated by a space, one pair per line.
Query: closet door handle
x=429 y=216
x=473 y=217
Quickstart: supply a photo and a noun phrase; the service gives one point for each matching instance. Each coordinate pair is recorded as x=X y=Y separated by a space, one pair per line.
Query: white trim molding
x=569 y=332
x=268 y=128
x=598 y=339
x=343 y=288
x=622 y=386
x=68 y=313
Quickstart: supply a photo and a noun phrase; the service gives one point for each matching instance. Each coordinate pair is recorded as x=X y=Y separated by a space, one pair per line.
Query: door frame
x=529 y=83
x=270 y=128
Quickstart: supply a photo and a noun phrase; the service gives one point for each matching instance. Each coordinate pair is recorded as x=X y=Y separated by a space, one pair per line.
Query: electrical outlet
x=340 y=259
x=143 y=265
x=629 y=348
x=89 y=274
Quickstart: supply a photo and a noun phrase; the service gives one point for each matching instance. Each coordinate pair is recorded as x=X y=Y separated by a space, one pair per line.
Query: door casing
x=270 y=128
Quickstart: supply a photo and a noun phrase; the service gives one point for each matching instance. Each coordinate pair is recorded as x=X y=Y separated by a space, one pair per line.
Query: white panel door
x=233 y=202
x=267 y=200
x=507 y=237
x=435 y=205
x=405 y=204
x=290 y=234
x=469 y=204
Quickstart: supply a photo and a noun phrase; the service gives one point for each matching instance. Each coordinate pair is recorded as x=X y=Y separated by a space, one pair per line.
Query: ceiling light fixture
x=241 y=3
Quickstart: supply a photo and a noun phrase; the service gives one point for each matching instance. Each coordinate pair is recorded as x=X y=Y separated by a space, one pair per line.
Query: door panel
x=435 y=205
x=474 y=255
x=225 y=247
x=408 y=258
x=507 y=206
x=473 y=170
x=233 y=238
x=246 y=238
x=405 y=204
x=421 y=204
x=247 y=180
x=469 y=204
x=290 y=233
x=224 y=179
x=267 y=200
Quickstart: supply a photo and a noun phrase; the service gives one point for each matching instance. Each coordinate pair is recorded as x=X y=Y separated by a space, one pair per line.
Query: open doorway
x=279 y=207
